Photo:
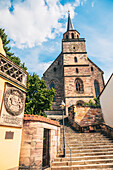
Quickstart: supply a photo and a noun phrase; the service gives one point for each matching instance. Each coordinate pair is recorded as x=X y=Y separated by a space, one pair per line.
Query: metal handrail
x=70 y=154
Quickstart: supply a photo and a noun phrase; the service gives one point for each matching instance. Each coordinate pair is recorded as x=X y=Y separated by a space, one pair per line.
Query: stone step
x=88 y=154
x=80 y=167
x=85 y=137
x=84 y=158
x=86 y=141
x=91 y=150
x=90 y=144
x=83 y=162
x=89 y=147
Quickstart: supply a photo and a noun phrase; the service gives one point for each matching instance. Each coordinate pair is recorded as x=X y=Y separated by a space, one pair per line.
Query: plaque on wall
x=9 y=135
x=13 y=106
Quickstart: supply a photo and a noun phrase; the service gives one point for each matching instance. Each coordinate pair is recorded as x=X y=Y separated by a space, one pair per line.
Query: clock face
x=14 y=101
x=74 y=47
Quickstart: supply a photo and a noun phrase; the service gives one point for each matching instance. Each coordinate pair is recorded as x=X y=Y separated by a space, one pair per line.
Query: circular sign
x=14 y=101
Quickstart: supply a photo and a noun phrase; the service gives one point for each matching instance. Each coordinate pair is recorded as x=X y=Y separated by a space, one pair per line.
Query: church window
x=75 y=59
x=79 y=85
x=58 y=63
x=77 y=36
x=52 y=86
x=96 y=85
x=72 y=35
x=54 y=69
x=74 y=48
x=79 y=103
x=91 y=68
x=66 y=36
x=77 y=70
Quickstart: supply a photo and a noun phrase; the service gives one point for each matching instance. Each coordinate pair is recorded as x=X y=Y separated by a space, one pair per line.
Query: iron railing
x=70 y=154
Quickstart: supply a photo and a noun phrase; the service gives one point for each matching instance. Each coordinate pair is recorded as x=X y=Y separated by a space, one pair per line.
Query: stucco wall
x=9 y=148
x=106 y=101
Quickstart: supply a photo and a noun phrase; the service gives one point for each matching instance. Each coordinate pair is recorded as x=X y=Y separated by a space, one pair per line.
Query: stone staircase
x=91 y=150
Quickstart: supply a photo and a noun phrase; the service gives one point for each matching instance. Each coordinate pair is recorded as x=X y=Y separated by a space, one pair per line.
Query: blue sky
x=36 y=27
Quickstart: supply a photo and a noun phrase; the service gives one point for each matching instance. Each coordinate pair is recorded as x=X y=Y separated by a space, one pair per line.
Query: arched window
x=52 y=86
x=54 y=69
x=96 y=85
x=77 y=70
x=79 y=85
x=77 y=36
x=91 y=68
x=79 y=103
x=75 y=59
x=72 y=35
x=66 y=36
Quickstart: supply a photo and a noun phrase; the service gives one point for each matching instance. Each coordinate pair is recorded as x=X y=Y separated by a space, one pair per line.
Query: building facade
x=74 y=76
x=106 y=101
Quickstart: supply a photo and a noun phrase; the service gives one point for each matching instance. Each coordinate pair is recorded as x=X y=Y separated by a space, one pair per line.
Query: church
x=75 y=78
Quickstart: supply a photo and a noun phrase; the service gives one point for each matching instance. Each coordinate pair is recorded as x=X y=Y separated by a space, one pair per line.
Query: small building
x=40 y=142
x=106 y=101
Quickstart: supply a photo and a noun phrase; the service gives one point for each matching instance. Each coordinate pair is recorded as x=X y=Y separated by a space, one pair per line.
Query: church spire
x=69 y=24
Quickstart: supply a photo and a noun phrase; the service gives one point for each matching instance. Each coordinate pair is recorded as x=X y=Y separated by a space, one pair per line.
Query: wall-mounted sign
x=9 y=135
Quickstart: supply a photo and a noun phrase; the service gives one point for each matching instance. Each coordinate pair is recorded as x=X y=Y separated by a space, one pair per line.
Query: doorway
x=46 y=146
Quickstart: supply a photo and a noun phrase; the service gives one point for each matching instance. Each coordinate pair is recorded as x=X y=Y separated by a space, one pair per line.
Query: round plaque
x=14 y=101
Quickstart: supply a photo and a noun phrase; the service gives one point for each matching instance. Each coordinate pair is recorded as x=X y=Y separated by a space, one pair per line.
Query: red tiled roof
x=40 y=119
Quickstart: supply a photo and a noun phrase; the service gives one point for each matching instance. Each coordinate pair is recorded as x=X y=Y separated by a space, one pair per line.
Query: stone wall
x=85 y=116
x=32 y=140
x=55 y=74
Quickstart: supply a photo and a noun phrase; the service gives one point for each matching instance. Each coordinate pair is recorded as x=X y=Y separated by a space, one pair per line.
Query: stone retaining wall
x=85 y=116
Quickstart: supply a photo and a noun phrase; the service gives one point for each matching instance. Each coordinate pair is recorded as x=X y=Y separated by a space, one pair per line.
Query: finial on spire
x=69 y=24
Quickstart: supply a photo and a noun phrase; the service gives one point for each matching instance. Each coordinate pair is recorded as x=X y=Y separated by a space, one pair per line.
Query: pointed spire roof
x=69 y=24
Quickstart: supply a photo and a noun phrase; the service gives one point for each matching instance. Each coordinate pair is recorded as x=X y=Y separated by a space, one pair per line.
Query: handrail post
x=64 y=149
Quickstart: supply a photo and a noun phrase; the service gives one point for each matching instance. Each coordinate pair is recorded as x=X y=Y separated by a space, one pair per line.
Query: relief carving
x=14 y=101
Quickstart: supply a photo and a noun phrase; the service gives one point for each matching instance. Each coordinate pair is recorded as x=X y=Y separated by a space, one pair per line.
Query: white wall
x=106 y=101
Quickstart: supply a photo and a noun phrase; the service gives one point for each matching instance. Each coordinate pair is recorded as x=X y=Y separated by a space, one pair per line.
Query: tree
x=93 y=104
x=7 y=49
x=38 y=97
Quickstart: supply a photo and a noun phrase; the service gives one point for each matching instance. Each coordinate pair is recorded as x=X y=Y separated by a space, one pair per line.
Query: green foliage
x=7 y=49
x=38 y=97
x=95 y=103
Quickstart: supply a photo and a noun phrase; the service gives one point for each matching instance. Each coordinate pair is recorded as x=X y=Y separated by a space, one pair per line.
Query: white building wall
x=106 y=101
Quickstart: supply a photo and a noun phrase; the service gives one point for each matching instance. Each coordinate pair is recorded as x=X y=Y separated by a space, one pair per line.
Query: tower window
x=52 y=86
x=79 y=85
x=66 y=36
x=91 y=68
x=74 y=48
x=75 y=59
x=77 y=70
x=96 y=85
x=54 y=69
x=77 y=36
x=58 y=63
x=72 y=35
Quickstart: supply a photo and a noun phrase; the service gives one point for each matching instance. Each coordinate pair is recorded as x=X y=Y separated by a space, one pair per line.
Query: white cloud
x=32 y=22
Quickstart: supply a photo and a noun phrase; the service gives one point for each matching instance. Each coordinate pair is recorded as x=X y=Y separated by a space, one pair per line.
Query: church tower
x=74 y=76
